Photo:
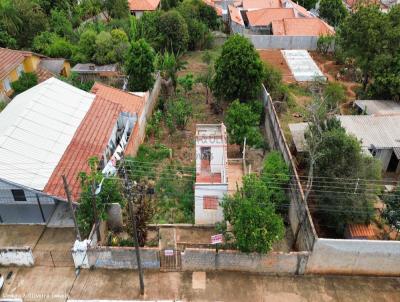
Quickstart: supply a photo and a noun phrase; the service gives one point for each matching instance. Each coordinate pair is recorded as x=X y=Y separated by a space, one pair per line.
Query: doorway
x=393 y=163
x=205 y=153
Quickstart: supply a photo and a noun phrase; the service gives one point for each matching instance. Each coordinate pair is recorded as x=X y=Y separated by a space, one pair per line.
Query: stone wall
x=283 y=42
x=16 y=256
x=271 y=263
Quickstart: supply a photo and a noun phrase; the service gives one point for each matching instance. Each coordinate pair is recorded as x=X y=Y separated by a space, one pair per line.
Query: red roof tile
x=264 y=17
x=254 y=4
x=301 y=27
x=360 y=231
x=90 y=139
x=9 y=60
x=131 y=102
x=143 y=5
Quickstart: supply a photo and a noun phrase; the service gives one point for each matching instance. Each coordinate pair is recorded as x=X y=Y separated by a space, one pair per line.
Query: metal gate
x=170 y=260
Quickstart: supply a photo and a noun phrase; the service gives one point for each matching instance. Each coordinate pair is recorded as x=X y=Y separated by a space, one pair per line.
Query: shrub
x=25 y=81
x=325 y=43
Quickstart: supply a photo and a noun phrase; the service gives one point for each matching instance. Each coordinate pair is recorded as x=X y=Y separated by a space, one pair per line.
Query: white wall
x=16 y=256
x=207 y=216
x=357 y=257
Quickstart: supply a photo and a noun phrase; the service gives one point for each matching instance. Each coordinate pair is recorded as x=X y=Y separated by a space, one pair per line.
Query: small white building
x=211 y=172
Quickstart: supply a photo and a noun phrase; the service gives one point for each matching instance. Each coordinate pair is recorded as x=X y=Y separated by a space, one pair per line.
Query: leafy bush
x=325 y=43
x=242 y=122
x=24 y=82
x=179 y=110
x=334 y=94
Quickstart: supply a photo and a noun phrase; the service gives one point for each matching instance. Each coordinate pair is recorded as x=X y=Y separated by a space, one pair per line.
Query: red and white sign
x=168 y=252
x=216 y=239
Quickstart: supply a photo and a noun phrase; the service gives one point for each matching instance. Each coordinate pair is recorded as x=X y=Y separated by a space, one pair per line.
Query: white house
x=211 y=172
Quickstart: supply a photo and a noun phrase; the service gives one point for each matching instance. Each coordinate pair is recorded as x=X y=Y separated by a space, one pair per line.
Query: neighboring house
x=107 y=74
x=359 y=232
x=138 y=7
x=52 y=130
x=379 y=136
x=215 y=174
x=276 y=17
x=14 y=62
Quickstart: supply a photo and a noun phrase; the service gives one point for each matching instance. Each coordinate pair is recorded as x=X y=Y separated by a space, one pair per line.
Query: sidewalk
x=59 y=283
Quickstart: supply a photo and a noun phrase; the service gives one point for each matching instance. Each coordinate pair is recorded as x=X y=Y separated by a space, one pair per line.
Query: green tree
x=173 y=32
x=169 y=64
x=333 y=11
x=242 y=122
x=391 y=213
x=140 y=66
x=276 y=176
x=325 y=43
x=239 y=71
x=50 y=44
x=206 y=79
x=87 y=44
x=179 y=112
x=60 y=24
x=255 y=224
x=364 y=36
x=186 y=82
x=308 y=4
x=341 y=158
x=147 y=28
x=110 y=193
x=117 y=9
x=334 y=94
x=120 y=44
x=24 y=82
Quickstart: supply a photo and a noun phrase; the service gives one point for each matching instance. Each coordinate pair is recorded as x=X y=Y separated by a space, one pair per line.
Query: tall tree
x=256 y=226
x=173 y=32
x=117 y=9
x=392 y=211
x=363 y=36
x=239 y=71
x=140 y=66
x=333 y=11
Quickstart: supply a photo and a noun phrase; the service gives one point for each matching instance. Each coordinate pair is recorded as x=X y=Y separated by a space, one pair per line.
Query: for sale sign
x=168 y=252
x=215 y=239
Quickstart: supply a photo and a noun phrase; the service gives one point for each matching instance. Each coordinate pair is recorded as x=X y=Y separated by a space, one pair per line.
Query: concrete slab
x=20 y=235
x=235 y=175
x=303 y=67
x=56 y=239
x=199 y=280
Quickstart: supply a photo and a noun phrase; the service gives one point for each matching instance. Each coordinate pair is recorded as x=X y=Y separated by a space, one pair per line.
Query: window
x=20 y=70
x=7 y=84
x=19 y=195
x=210 y=202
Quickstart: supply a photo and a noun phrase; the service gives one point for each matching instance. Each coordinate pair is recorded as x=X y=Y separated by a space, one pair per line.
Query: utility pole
x=71 y=208
x=128 y=188
x=96 y=215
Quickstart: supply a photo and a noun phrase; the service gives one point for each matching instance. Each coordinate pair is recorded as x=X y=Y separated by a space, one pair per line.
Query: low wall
x=355 y=257
x=283 y=42
x=122 y=257
x=272 y=263
x=16 y=256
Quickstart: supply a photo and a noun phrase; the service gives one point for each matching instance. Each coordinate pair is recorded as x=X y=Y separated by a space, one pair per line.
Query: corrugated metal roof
x=53 y=65
x=36 y=129
x=302 y=65
x=92 y=68
x=378 y=107
x=381 y=132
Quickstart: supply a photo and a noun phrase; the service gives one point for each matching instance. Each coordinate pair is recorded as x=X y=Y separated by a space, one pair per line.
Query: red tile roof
x=235 y=15
x=254 y=4
x=90 y=139
x=264 y=17
x=143 y=5
x=92 y=136
x=301 y=27
x=131 y=102
x=43 y=74
x=9 y=60
x=361 y=231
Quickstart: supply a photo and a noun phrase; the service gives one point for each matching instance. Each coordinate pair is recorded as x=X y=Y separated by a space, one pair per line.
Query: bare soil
x=276 y=59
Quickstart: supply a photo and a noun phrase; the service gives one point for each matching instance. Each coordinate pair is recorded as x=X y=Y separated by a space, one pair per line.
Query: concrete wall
x=355 y=257
x=14 y=212
x=16 y=256
x=283 y=42
x=272 y=263
x=299 y=215
x=122 y=257
x=208 y=216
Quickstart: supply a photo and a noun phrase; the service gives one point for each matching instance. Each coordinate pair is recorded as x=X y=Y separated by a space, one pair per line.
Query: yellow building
x=14 y=62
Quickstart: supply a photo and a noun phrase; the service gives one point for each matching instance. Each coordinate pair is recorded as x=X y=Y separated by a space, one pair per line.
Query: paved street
x=43 y=283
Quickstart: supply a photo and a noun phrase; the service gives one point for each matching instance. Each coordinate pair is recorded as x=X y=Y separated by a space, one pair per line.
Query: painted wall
x=16 y=256
x=14 y=212
x=208 y=216
x=355 y=257
x=283 y=42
